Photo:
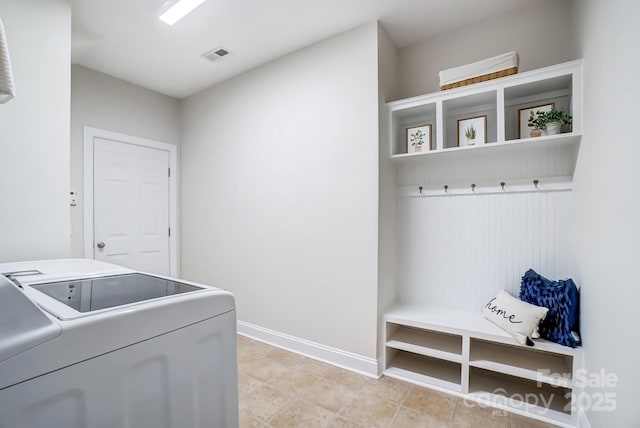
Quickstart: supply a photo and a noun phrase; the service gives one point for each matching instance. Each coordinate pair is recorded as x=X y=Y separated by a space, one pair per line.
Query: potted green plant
x=550 y=121
x=417 y=140
x=470 y=135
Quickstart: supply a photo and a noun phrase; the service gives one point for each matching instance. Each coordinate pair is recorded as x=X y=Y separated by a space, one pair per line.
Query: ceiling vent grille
x=216 y=54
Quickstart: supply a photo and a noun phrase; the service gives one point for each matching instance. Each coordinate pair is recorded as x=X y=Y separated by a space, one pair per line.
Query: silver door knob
x=100 y=244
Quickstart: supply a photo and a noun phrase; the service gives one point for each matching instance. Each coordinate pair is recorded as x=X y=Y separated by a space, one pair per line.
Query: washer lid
x=82 y=296
x=23 y=325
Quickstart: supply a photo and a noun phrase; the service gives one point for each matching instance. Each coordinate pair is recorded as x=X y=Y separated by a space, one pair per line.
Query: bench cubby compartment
x=528 y=363
x=426 y=342
x=424 y=370
x=519 y=393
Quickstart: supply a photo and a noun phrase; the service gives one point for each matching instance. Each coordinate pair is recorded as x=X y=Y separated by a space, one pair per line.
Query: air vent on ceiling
x=215 y=54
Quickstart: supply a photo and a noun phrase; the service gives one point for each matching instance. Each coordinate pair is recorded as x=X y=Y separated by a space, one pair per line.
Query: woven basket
x=478 y=79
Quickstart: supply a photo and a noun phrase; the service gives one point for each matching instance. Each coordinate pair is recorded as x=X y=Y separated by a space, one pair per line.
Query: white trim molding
x=337 y=357
x=89 y=134
x=583 y=422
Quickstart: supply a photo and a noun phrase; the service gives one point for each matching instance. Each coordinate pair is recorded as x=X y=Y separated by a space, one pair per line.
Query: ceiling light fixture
x=179 y=10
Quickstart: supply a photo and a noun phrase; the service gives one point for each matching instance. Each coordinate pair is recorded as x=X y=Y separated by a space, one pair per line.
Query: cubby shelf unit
x=464 y=354
x=458 y=351
x=500 y=100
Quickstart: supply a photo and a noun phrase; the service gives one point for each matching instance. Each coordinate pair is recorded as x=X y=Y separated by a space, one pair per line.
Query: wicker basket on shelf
x=483 y=78
x=481 y=71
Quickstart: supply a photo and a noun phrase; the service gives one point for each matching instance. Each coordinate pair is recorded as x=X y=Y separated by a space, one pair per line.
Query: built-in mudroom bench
x=477 y=204
x=460 y=352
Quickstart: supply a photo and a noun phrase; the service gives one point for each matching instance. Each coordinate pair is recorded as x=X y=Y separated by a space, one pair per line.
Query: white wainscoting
x=459 y=251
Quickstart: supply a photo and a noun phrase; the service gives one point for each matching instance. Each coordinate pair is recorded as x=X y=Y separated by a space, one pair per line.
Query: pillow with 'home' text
x=519 y=319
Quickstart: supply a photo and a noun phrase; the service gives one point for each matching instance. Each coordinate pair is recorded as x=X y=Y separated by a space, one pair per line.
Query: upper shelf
x=498 y=109
x=566 y=139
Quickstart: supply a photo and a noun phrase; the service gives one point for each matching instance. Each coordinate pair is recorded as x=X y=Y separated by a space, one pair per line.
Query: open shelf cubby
x=518 y=393
x=527 y=363
x=420 y=115
x=520 y=99
x=425 y=342
x=424 y=370
x=481 y=105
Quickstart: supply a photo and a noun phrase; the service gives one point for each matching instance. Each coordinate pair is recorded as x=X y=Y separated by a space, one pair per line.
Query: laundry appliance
x=89 y=344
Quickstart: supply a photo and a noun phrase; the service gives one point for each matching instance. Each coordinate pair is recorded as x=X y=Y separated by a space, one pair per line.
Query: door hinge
x=169 y=232
x=169 y=172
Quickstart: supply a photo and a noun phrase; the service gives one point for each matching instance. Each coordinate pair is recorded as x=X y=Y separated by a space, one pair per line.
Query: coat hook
x=420 y=188
x=502 y=183
x=535 y=183
x=446 y=189
x=473 y=187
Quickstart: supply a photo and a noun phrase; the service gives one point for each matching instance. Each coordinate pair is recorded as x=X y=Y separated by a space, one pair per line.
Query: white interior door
x=131 y=205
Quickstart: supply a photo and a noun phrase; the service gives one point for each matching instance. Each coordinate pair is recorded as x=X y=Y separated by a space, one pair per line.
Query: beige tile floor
x=282 y=389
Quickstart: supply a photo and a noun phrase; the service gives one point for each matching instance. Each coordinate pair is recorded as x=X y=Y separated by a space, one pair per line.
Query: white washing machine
x=88 y=344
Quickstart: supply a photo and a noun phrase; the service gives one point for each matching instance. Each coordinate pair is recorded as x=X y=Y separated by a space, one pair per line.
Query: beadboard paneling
x=459 y=251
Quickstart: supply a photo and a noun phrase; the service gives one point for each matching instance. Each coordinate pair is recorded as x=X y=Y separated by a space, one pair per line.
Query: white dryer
x=88 y=344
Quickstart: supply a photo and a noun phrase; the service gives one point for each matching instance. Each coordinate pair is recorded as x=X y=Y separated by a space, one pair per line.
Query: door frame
x=89 y=134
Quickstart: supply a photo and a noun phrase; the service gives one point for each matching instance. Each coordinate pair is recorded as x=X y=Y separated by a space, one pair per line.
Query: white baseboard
x=583 y=422
x=337 y=357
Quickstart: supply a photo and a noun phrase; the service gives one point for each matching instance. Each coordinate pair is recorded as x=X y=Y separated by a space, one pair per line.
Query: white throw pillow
x=519 y=319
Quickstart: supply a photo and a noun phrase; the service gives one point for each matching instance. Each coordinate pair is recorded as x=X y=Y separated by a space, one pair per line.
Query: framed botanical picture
x=472 y=131
x=523 y=118
x=419 y=139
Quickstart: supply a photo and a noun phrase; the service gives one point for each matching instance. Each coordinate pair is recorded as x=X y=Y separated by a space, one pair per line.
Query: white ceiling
x=124 y=38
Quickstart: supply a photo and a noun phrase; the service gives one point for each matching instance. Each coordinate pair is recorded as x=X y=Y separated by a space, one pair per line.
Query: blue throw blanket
x=562 y=323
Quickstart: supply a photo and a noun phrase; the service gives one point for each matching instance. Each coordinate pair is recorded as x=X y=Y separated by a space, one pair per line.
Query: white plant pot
x=471 y=142
x=553 y=128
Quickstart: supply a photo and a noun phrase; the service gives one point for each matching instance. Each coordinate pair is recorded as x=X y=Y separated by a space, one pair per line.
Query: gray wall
x=607 y=206
x=34 y=132
x=543 y=33
x=280 y=192
x=105 y=102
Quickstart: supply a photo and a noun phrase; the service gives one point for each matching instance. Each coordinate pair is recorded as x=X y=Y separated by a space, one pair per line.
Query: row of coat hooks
x=550 y=184
x=473 y=186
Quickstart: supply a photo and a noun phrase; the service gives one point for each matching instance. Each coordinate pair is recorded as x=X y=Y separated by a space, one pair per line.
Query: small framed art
x=472 y=131
x=523 y=118
x=419 y=139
